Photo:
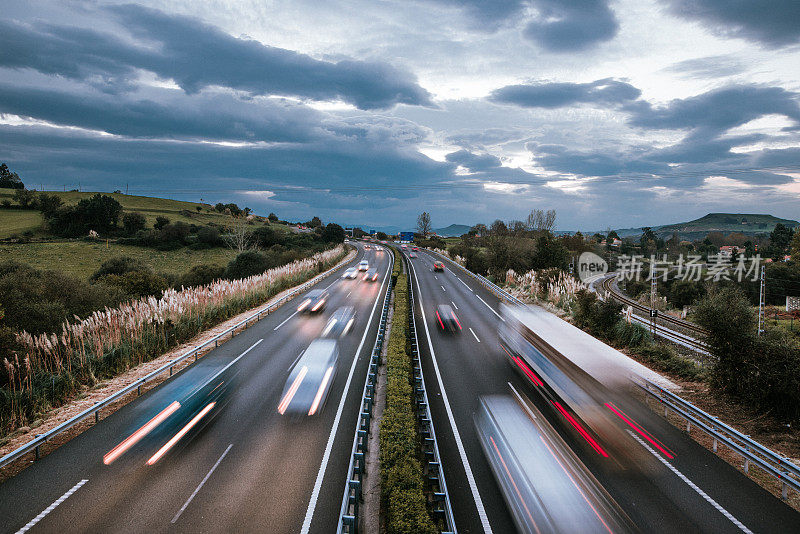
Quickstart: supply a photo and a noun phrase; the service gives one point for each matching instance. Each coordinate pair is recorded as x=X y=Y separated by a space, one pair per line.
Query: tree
x=541 y=221
x=25 y=198
x=780 y=238
x=498 y=228
x=358 y=232
x=48 y=204
x=161 y=222
x=201 y=275
x=315 y=222
x=612 y=235
x=119 y=265
x=648 y=240
x=8 y=179
x=333 y=233
x=133 y=222
x=272 y=217
x=100 y=212
x=239 y=236
x=208 y=235
x=479 y=230
x=424 y=223
x=382 y=236
x=796 y=248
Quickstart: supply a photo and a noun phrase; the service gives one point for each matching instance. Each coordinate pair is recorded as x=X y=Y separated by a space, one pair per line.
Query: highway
x=694 y=491
x=244 y=468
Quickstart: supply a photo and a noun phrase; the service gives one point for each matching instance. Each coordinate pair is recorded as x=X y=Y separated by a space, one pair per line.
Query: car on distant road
x=367 y=247
x=309 y=382
x=438 y=266
x=371 y=275
x=350 y=272
x=446 y=318
x=403 y=246
x=363 y=265
x=314 y=301
x=413 y=255
x=340 y=323
x=415 y=249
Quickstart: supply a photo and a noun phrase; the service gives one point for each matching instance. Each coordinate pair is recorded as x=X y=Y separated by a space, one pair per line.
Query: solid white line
x=474 y=334
x=312 y=505
x=197 y=489
x=692 y=485
x=348 y=294
x=523 y=403
x=52 y=507
x=443 y=289
x=463 y=282
x=463 y=453
x=284 y=321
x=494 y=312
x=454 y=304
x=295 y=360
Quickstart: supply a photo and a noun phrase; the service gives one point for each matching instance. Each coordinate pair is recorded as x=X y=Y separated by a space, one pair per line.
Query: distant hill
x=454 y=230
x=743 y=223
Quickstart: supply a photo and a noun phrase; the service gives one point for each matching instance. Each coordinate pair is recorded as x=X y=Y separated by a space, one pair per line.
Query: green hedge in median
x=402 y=477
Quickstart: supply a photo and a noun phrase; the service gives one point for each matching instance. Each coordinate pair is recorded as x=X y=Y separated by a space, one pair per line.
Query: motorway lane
x=264 y=466
x=659 y=501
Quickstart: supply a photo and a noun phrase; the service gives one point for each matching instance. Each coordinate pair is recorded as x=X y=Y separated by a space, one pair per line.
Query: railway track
x=671 y=328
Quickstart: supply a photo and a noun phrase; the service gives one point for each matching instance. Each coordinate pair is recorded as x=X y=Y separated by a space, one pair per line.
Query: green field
x=82 y=258
x=18 y=221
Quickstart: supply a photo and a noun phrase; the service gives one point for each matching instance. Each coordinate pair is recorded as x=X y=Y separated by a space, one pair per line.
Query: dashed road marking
x=52 y=507
x=474 y=334
x=285 y=320
x=494 y=312
x=202 y=483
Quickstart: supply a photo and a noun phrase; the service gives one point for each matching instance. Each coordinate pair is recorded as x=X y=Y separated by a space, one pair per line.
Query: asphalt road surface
x=693 y=492
x=244 y=467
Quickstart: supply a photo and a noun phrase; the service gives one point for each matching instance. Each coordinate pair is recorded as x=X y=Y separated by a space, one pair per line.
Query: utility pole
x=653 y=311
x=572 y=265
x=761 y=298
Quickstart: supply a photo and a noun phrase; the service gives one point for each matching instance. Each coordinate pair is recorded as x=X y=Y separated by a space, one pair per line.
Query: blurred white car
x=310 y=380
x=340 y=323
x=351 y=273
x=363 y=265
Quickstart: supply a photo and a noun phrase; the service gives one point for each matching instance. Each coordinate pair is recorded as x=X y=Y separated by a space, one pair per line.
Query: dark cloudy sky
x=614 y=113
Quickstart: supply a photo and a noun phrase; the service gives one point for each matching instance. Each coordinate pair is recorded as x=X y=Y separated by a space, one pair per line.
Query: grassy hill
x=81 y=258
x=454 y=230
x=743 y=223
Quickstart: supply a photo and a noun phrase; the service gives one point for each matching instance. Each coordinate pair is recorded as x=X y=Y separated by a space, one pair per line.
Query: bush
x=209 y=236
x=39 y=301
x=272 y=218
x=599 y=317
x=249 y=263
x=133 y=222
x=49 y=204
x=26 y=199
x=200 y=275
x=99 y=213
x=119 y=265
x=137 y=284
x=333 y=233
x=161 y=222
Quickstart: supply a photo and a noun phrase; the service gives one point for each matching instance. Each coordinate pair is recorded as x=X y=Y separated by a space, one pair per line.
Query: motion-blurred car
x=363 y=265
x=378 y=249
x=310 y=380
x=403 y=246
x=546 y=487
x=413 y=255
x=314 y=301
x=340 y=323
x=350 y=273
x=446 y=318
x=367 y=247
x=415 y=249
x=438 y=266
x=371 y=275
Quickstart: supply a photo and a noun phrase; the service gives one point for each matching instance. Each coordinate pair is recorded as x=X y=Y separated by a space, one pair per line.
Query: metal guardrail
x=348 y=514
x=434 y=472
x=781 y=468
x=35 y=444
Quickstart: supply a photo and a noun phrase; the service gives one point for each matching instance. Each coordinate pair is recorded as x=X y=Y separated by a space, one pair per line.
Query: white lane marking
x=474 y=334
x=443 y=289
x=197 y=489
x=348 y=294
x=284 y=321
x=295 y=360
x=454 y=304
x=436 y=277
x=494 y=312
x=52 y=507
x=465 y=284
x=312 y=504
x=692 y=485
x=463 y=453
